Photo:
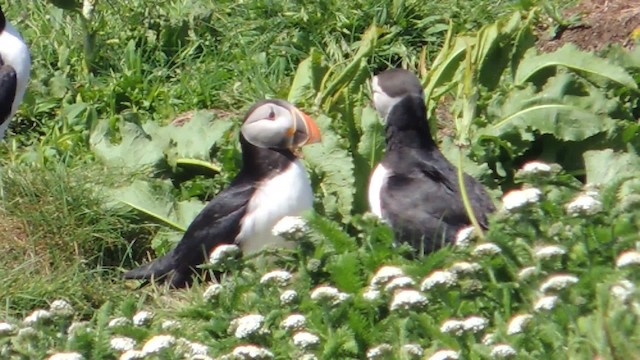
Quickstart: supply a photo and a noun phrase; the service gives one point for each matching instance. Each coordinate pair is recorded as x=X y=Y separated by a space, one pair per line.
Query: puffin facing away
x=15 y=66
x=271 y=184
x=415 y=188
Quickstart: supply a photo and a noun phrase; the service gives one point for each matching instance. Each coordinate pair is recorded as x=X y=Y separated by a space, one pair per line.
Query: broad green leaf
x=371 y=143
x=307 y=78
x=570 y=57
x=604 y=166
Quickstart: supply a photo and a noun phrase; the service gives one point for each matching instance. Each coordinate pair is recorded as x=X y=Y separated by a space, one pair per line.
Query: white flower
x=386 y=274
x=558 y=282
x=516 y=199
x=252 y=352
x=401 y=282
x=503 y=351
x=535 y=168
x=290 y=227
x=133 y=355
x=549 y=251
x=442 y=278
x=169 y=325
x=413 y=350
x=545 y=303
x=527 y=272
x=463 y=267
x=202 y=357
x=279 y=277
x=247 y=325
x=122 y=343
x=27 y=332
x=142 y=318
x=118 y=322
x=158 y=343
x=212 y=292
x=489 y=339
x=77 y=326
x=61 y=308
x=379 y=351
x=627 y=258
x=305 y=339
x=445 y=355
x=7 y=329
x=452 y=326
x=66 y=356
x=328 y=294
x=464 y=236
x=293 y=322
x=224 y=253
x=622 y=290
x=308 y=357
x=407 y=299
x=518 y=323
x=584 y=205
x=486 y=249
x=475 y=324
x=288 y=297
x=195 y=349
x=37 y=316
x=371 y=294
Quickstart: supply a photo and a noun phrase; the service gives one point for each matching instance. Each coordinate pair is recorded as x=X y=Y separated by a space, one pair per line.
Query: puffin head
x=391 y=86
x=278 y=124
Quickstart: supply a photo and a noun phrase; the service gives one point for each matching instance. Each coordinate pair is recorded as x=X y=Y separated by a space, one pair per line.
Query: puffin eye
x=272 y=115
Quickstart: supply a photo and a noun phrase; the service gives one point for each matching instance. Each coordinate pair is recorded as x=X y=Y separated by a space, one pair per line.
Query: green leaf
x=570 y=57
x=307 y=78
x=371 y=143
x=604 y=166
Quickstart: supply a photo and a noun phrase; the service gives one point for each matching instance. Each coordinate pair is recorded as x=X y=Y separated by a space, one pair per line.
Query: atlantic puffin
x=415 y=188
x=271 y=184
x=15 y=66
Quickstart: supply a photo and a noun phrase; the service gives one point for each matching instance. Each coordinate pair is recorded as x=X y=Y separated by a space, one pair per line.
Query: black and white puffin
x=271 y=184
x=15 y=66
x=415 y=188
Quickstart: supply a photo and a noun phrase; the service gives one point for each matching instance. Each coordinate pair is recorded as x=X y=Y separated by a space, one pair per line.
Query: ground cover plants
x=127 y=130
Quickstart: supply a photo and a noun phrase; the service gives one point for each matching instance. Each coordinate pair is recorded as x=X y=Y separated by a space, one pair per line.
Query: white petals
x=407 y=299
x=489 y=339
x=401 y=282
x=118 y=322
x=247 y=325
x=386 y=274
x=371 y=293
x=628 y=258
x=535 y=168
x=379 y=352
x=305 y=339
x=158 y=343
x=558 y=282
x=475 y=324
x=622 y=290
x=412 y=350
x=293 y=322
x=545 y=303
x=290 y=227
x=252 y=352
x=278 y=277
x=288 y=297
x=550 y=251
x=142 y=318
x=445 y=355
x=6 y=329
x=584 y=205
x=516 y=199
x=194 y=349
x=133 y=355
x=526 y=273
x=169 y=325
x=122 y=343
x=464 y=236
x=212 y=292
x=223 y=254
x=502 y=351
x=486 y=249
x=61 y=308
x=463 y=267
x=452 y=326
x=441 y=278
x=518 y=323
x=36 y=317
x=66 y=356
x=328 y=294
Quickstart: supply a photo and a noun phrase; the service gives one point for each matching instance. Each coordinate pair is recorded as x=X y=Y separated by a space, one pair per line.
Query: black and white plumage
x=15 y=66
x=271 y=184
x=415 y=188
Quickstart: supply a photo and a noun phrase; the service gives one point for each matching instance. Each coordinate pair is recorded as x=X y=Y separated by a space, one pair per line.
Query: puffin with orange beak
x=271 y=185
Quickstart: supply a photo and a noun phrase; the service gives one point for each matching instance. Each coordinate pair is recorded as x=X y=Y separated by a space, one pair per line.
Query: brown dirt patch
x=602 y=22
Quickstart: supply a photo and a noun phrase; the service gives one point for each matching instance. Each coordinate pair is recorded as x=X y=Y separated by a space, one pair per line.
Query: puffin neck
x=259 y=161
x=3 y=20
x=406 y=125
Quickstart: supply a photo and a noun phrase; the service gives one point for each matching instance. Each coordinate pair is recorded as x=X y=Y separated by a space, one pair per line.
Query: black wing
x=421 y=199
x=8 y=84
x=218 y=223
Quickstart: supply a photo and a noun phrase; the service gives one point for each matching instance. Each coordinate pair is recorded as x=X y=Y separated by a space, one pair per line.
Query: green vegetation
x=130 y=125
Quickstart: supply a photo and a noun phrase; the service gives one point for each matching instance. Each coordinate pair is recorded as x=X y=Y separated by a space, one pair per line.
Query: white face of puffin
x=391 y=86
x=381 y=100
x=279 y=125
